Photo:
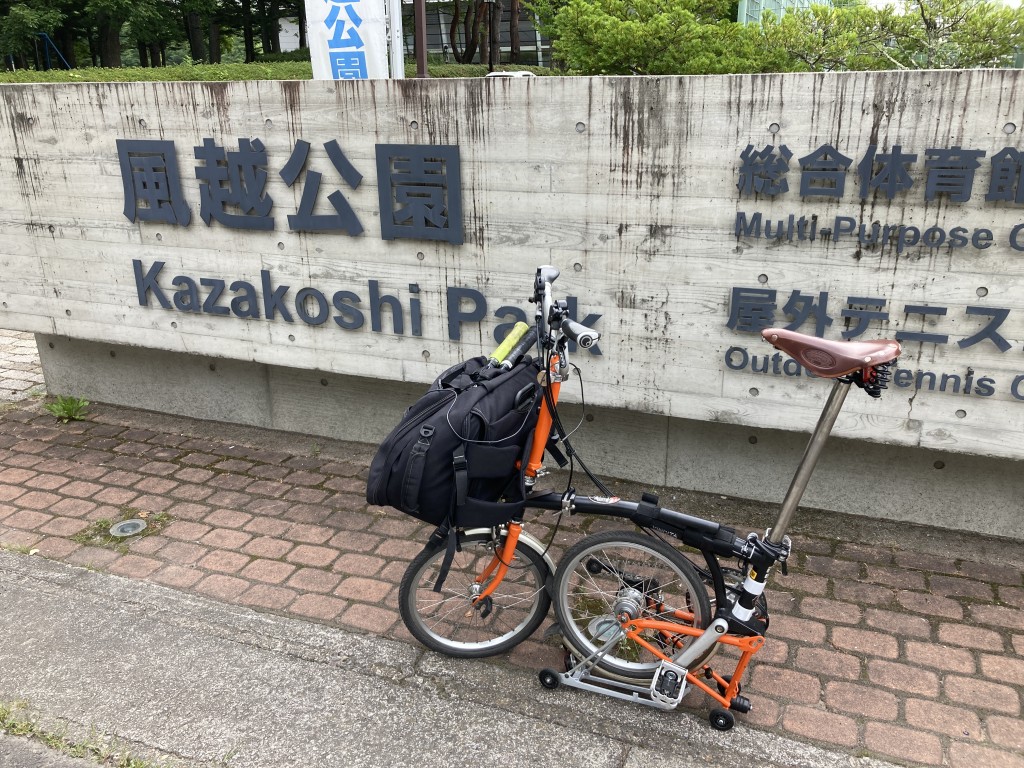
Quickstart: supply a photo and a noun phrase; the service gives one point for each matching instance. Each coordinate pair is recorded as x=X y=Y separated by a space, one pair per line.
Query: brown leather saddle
x=832 y=359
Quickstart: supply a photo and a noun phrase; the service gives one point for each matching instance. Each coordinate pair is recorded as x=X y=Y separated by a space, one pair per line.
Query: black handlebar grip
x=521 y=348
x=585 y=337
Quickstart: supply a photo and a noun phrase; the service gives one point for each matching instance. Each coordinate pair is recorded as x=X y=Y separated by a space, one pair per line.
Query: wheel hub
x=628 y=603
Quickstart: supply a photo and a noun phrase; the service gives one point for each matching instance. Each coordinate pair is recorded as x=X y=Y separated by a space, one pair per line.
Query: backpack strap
x=461 y=467
x=555 y=453
x=449 y=552
x=414 y=473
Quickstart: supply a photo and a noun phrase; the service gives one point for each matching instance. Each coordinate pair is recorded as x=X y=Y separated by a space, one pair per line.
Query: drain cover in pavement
x=127 y=528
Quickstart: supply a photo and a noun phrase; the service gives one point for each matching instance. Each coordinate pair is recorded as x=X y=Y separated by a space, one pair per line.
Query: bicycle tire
x=657 y=580
x=449 y=623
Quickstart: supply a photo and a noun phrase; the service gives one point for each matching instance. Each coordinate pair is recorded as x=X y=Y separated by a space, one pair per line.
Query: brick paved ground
x=880 y=644
x=20 y=376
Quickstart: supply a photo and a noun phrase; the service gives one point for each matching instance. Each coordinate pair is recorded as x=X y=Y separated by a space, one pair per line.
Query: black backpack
x=458 y=456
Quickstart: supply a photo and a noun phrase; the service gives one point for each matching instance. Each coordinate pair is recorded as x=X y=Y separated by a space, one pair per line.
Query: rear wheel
x=610 y=573
x=450 y=622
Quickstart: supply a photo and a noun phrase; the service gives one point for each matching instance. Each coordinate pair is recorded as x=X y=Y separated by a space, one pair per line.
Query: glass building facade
x=750 y=11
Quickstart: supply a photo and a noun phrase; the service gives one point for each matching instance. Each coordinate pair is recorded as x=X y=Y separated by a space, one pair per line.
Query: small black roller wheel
x=721 y=720
x=549 y=678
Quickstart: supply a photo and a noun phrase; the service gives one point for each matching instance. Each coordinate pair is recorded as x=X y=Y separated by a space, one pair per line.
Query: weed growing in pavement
x=98 y=533
x=16 y=720
x=19 y=548
x=67 y=408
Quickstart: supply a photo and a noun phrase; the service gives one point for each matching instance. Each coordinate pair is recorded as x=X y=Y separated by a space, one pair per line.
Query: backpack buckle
x=427 y=431
x=459 y=462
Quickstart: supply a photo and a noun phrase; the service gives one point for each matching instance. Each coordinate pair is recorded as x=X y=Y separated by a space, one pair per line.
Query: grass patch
x=98 y=533
x=67 y=408
x=283 y=70
x=21 y=549
x=16 y=720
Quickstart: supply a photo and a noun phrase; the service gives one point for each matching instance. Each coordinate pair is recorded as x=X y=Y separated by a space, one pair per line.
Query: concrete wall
x=683 y=213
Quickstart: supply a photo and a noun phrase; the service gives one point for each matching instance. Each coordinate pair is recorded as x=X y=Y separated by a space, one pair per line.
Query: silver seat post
x=819 y=436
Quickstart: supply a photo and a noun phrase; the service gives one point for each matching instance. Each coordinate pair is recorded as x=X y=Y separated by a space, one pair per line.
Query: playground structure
x=50 y=50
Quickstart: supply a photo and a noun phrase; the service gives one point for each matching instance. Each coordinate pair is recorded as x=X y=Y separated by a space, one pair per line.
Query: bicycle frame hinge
x=569 y=501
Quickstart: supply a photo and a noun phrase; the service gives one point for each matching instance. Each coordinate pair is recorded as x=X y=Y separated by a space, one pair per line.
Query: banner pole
x=420 y=11
x=396 y=39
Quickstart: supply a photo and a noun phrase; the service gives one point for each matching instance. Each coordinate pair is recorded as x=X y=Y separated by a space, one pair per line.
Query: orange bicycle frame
x=542 y=432
x=747 y=645
x=501 y=561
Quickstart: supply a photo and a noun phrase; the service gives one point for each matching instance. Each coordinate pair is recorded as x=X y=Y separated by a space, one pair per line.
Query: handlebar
x=546 y=275
x=585 y=337
x=553 y=323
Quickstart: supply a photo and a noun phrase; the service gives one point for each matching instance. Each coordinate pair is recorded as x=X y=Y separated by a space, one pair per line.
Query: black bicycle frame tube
x=692 y=530
x=589 y=505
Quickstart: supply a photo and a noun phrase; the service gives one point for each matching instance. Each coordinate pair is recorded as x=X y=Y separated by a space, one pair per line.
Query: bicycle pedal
x=668 y=686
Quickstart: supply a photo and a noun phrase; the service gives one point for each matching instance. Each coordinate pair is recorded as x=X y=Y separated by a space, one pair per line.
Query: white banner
x=348 y=39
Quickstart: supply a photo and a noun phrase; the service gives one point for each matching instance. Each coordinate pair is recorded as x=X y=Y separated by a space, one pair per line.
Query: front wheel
x=450 y=622
x=622 y=572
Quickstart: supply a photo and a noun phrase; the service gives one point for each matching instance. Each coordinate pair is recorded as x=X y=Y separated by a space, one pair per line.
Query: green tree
x=653 y=37
x=108 y=18
x=153 y=25
x=920 y=34
x=72 y=34
x=953 y=34
x=22 y=23
x=96 y=29
x=830 y=38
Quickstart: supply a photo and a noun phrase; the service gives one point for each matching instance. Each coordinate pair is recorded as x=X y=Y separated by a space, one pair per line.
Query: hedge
x=261 y=70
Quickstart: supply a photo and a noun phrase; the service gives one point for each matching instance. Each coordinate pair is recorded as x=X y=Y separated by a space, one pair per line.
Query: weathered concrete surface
x=675 y=207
